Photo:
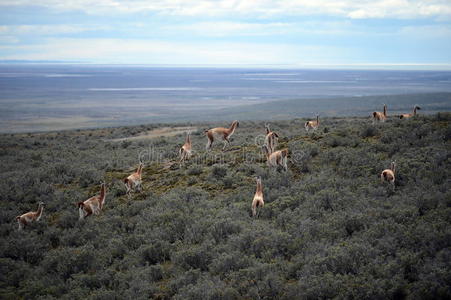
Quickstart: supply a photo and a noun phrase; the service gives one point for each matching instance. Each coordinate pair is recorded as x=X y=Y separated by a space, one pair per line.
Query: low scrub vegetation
x=329 y=227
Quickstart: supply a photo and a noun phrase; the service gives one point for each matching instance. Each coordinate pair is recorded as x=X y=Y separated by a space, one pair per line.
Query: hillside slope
x=329 y=227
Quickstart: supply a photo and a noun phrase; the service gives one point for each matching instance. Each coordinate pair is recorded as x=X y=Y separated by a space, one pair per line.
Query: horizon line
x=353 y=66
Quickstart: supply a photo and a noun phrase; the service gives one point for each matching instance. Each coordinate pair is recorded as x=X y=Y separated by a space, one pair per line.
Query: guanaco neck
x=140 y=169
x=188 y=139
x=40 y=209
x=415 y=111
x=233 y=127
x=385 y=110
x=317 y=120
x=259 y=186
x=102 y=192
x=267 y=129
x=392 y=167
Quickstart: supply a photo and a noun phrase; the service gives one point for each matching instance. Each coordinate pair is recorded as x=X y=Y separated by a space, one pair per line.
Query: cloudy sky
x=369 y=33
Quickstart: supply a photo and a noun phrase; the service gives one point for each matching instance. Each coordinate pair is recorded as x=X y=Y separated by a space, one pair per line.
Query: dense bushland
x=329 y=228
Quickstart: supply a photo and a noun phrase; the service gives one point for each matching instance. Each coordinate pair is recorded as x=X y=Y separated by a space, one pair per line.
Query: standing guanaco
x=93 y=205
x=389 y=174
x=30 y=217
x=312 y=124
x=258 y=197
x=379 y=116
x=277 y=158
x=271 y=139
x=217 y=132
x=186 y=150
x=134 y=181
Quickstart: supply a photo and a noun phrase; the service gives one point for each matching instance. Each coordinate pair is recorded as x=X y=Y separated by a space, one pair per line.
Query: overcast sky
x=198 y=32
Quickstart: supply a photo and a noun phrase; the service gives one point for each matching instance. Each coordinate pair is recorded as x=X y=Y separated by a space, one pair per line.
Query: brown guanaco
x=186 y=150
x=414 y=113
x=389 y=174
x=258 y=197
x=271 y=139
x=312 y=124
x=277 y=158
x=30 y=217
x=217 y=132
x=380 y=116
x=93 y=205
x=133 y=181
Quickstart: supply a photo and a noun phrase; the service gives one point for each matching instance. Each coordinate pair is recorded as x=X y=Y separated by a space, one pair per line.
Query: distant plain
x=59 y=97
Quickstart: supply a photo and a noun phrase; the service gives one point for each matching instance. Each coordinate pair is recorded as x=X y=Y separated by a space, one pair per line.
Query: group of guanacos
x=274 y=158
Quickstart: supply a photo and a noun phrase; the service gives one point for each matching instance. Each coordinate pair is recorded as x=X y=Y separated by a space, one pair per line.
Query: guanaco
x=186 y=150
x=226 y=133
x=312 y=124
x=389 y=174
x=277 y=158
x=133 y=182
x=30 y=217
x=379 y=116
x=258 y=197
x=406 y=116
x=93 y=205
x=271 y=139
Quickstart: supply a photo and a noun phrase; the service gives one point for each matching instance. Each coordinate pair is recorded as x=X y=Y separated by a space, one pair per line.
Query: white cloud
x=234 y=29
x=221 y=29
x=160 y=52
x=346 y=8
x=47 y=29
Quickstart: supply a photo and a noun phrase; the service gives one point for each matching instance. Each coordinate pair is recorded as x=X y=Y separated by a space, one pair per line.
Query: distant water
x=45 y=97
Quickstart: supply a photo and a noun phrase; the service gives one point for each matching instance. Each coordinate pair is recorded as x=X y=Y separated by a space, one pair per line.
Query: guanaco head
x=236 y=123
x=80 y=204
x=267 y=128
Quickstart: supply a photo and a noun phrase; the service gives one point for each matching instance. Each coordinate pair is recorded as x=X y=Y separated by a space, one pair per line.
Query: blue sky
x=294 y=33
